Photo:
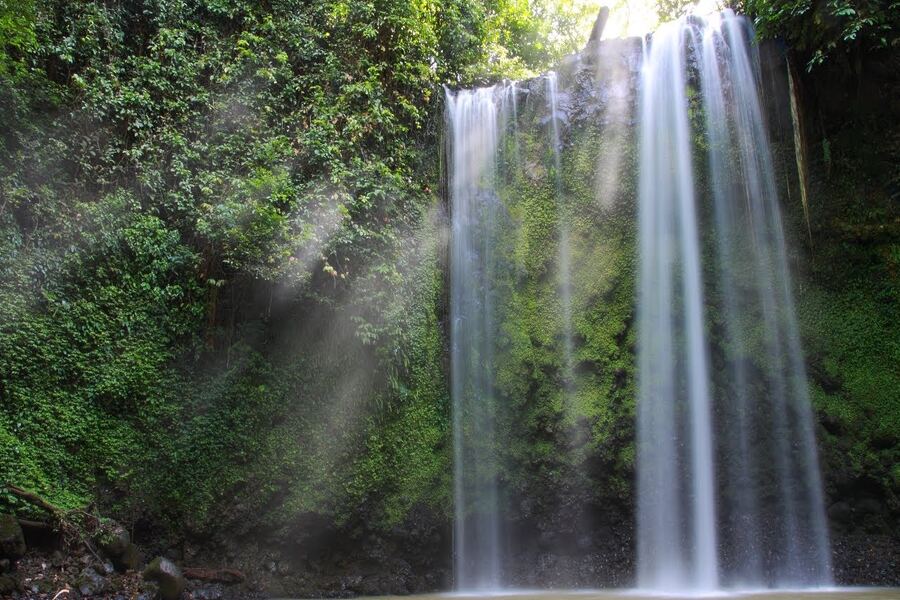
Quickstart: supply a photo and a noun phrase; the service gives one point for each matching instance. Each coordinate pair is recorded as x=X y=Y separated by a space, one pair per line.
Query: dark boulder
x=167 y=575
x=112 y=539
x=129 y=560
x=90 y=583
x=115 y=543
x=12 y=540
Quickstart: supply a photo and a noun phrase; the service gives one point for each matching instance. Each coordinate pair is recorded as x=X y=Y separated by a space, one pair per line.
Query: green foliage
x=17 y=36
x=179 y=182
x=854 y=341
x=820 y=30
x=669 y=10
x=848 y=305
x=565 y=435
x=403 y=463
x=220 y=260
x=525 y=37
x=85 y=336
x=168 y=166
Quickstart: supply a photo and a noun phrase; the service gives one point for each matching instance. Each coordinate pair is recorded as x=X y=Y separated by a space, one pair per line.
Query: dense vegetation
x=222 y=301
x=836 y=29
x=180 y=178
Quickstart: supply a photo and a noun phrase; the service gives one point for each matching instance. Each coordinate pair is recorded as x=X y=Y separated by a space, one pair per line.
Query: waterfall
x=677 y=536
x=728 y=488
x=564 y=250
x=476 y=120
x=744 y=508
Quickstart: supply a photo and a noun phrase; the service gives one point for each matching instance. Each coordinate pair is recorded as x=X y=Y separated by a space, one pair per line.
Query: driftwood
x=64 y=518
x=214 y=575
x=63 y=593
x=78 y=523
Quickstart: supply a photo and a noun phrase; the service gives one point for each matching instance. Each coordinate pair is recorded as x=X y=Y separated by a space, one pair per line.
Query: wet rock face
x=568 y=549
x=596 y=86
x=168 y=576
x=866 y=559
x=318 y=560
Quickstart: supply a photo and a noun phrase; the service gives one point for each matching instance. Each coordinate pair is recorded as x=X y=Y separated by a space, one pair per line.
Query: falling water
x=564 y=250
x=740 y=459
x=746 y=508
x=475 y=119
x=755 y=243
x=677 y=542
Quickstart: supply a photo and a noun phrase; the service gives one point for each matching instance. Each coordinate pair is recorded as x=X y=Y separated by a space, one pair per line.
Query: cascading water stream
x=740 y=460
x=476 y=120
x=745 y=508
x=677 y=542
x=804 y=556
x=564 y=274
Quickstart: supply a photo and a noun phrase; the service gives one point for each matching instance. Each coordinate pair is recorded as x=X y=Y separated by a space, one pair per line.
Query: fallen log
x=229 y=576
x=65 y=518
x=36 y=500
x=39 y=525
x=75 y=524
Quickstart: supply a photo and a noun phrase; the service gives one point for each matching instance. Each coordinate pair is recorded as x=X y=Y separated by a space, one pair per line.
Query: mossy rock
x=113 y=539
x=129 y=560
x=168 y=576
